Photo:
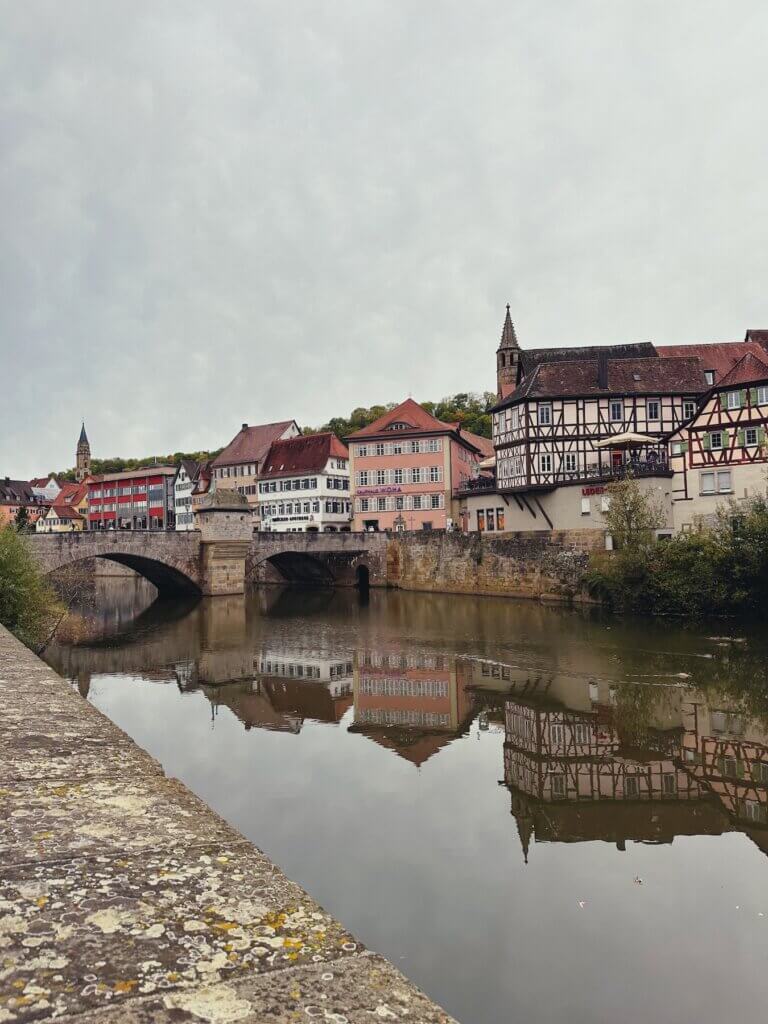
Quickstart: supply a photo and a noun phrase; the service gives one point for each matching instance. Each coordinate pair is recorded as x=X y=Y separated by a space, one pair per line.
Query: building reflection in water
x=638 y=763
x=590 y=752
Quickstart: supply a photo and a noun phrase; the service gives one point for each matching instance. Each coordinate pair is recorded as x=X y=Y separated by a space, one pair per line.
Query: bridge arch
x=295 y=567
x=171 y=562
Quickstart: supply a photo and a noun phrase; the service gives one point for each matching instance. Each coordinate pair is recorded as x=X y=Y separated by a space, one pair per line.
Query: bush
x=28 y=605
x=720 y=571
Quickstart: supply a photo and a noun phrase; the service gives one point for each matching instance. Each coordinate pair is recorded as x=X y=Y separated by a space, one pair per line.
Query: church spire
x=83 y=436
x=508 y=336
x=507 y=358
x=82 y=456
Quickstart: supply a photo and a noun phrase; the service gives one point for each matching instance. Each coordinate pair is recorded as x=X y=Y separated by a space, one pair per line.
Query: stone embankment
x=124 y=898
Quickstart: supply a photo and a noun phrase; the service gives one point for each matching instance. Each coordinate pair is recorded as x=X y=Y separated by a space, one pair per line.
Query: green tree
x=633 y=515
x=22 y=518
x=28 y=605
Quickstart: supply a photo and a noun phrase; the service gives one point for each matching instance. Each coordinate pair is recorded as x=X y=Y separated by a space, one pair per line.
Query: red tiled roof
x=40 y=481
x=748 y=370
x=718 y=356
x=483 y=443
x=251 y=444
x=408 y=412
x=417 y=420
x=71 y=494
x=306 y=454
x=66 y=511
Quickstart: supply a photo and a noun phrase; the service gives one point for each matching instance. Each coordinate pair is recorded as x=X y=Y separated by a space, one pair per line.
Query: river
x=538 y=814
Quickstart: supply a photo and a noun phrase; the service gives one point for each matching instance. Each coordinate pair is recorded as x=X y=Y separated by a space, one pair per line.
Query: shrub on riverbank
x=722 y=570
x=28 y=605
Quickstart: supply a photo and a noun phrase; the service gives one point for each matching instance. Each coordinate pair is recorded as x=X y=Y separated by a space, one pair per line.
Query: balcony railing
x=475 y=484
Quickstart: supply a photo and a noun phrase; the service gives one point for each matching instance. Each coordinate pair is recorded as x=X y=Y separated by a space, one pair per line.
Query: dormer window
x=709 y=376
x=399 y=426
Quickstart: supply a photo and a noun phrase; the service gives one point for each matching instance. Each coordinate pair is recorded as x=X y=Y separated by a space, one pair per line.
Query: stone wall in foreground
x=545 y=565
x=124 y=899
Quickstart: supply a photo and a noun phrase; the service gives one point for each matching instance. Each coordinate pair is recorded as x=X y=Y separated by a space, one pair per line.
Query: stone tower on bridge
x=82 y=457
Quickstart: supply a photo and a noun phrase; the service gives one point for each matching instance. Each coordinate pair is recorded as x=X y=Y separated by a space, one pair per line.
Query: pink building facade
x=405 y=468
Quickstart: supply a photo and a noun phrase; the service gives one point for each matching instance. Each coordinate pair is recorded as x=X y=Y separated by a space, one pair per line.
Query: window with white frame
x=435 y=474
x=716 y=440
x=762 y=395
x=362 y=450
x=397 y=476
x=617 y=410
x=435 y=444
x=750 y=437
x=545 y=463
x=709 y=377
x=545 y=414
x=586 y=507
x=733 y=400
x=689 y=410
x=378 y=449
x=652 y=409
x=570 y=462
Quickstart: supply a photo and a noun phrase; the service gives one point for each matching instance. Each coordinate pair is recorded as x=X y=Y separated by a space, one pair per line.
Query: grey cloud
x=258 y=210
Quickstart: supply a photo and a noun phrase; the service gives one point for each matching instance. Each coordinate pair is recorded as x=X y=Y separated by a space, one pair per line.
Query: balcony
x=476 y=485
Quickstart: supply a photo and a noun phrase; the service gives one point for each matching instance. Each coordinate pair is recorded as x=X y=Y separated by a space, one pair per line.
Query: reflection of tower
x=84 y=684
x=507 y=359
x=525 y=824
x=83 y=457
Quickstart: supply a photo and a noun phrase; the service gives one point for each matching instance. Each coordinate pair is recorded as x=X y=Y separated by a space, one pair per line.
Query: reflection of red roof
x=718 y=356
x=308 y=454
x=748 y=370
x=410 y=744
x=251 y=444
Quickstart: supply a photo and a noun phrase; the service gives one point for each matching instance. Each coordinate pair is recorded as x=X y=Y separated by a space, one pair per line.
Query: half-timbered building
x=720 y=455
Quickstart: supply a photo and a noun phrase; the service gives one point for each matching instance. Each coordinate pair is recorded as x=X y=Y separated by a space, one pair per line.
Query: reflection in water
x=605 y=737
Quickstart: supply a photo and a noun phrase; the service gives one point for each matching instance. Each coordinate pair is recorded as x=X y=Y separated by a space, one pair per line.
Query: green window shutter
x=726 y=438
x=742 y=439
x=753 y=396
x=742 y=399
x=761 y=436
x=721 y=766
x=739 y=769
x=723 y=401
x=683 y=446
x=706 y=443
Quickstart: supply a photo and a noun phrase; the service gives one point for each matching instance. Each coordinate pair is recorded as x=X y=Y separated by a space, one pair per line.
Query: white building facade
x=304 y=486
x=183 y=486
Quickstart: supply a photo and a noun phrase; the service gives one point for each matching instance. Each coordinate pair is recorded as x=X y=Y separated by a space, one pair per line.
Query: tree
x=633 y=515
x=21 y=521
x=28 y=605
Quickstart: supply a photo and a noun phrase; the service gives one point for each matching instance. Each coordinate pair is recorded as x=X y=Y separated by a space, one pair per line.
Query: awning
x=627 y=440
x=489 y=463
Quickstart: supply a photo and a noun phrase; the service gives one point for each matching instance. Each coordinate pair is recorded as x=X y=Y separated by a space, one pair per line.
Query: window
x=415 y=447
x=733 y=400
x=364 y=504
x=381 y=476
x=362 y=450
x=481 y=520
x=586 y=506
x=545 y=463
x=435 y=444
x=545 y=414
x=653 y=409
x=500 y=519
x=630 y=785
x=558 y=785
x=715 y=482
x=762 y=395
x=617 y=411
x=490 y=519
x=760 y=771
x=398 y=476
x=669 y=783
x=689 y=410
x=436 y=502
x=570 y=462
x=716 y=440
x=750 y=437
x=435 y=474
x=756 y=811
x=378 y=449
x=709 y=376
x=678 y=447
x=417 y=501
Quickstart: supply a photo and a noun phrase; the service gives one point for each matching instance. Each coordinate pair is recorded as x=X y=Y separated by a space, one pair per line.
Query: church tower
x=507 y=359
x=83 y=457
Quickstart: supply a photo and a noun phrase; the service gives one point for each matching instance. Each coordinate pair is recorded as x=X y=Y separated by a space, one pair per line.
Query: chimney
x=245 y=426
x=602 y=370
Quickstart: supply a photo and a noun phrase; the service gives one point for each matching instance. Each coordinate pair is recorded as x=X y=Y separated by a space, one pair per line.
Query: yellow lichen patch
x=39 y=836
x=125 y=986
x=173 y=976
x=225 y=926
x=293 y=943
x=41 y=901
x=19 y=984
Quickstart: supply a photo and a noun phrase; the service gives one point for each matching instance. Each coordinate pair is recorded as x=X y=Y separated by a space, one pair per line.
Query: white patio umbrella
x=627 y=440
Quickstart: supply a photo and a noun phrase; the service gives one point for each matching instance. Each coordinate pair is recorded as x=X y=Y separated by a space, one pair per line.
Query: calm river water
x=537 y=815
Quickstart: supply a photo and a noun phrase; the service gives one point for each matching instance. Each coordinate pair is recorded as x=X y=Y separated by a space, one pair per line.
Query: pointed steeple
x=508 y=336
x=83 y=436
x=507 y=358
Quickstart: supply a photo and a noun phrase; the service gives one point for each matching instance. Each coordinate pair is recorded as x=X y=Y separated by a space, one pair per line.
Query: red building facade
x=138 y=499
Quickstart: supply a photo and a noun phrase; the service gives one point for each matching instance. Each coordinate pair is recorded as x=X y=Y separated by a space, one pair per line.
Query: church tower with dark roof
x=83 y=457
x=507 y=359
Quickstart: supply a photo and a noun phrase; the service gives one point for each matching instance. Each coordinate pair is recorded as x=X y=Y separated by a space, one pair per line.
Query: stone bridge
x=224 y=556
x=216 y=562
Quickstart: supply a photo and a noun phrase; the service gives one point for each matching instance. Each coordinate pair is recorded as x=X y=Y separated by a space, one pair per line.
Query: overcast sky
x=249 y=211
